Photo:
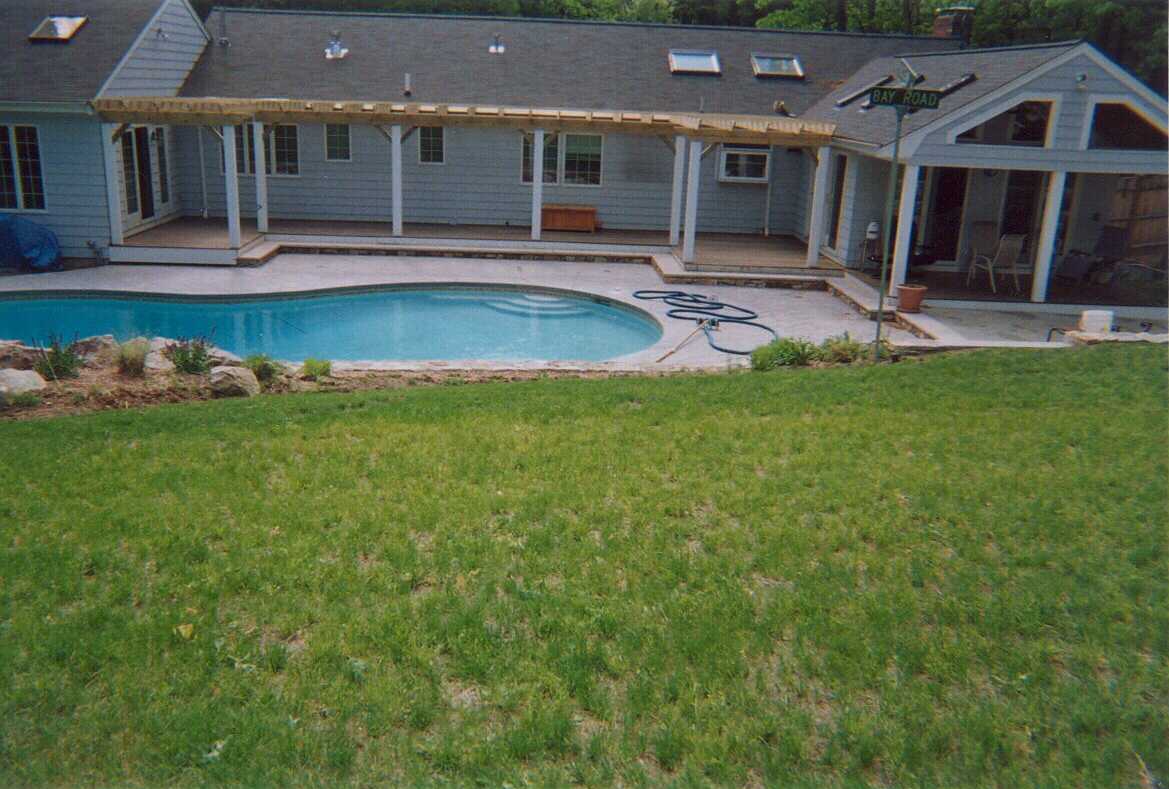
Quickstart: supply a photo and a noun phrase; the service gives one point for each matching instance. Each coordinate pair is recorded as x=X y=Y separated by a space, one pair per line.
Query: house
x=137 y=131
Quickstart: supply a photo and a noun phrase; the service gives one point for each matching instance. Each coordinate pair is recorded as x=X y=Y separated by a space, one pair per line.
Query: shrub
x=314 y=369
x=190 y=355
x=21 y=400
x=785 y=352
x=132 y=357
x=265 y=368
x=58 y=361
x=844 y=350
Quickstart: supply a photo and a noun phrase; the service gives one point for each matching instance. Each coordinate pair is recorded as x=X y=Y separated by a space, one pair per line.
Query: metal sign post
x=902 y=100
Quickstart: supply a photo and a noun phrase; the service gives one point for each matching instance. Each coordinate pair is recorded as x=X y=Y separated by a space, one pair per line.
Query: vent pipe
x=223 y=39
x=406 y=89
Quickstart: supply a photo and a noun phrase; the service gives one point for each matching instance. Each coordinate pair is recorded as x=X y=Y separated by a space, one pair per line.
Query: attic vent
x=58 y=28
x=694 y=61
x=336 y=50
x=765 y=65
x=961 y=82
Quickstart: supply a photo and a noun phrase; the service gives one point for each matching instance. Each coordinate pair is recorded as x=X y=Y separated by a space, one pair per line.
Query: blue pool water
x=452 y=323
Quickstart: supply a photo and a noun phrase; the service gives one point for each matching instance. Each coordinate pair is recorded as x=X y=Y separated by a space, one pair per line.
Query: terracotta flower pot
x=909 y=297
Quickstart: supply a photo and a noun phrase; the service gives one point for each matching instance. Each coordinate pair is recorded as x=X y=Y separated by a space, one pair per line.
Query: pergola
x=690 y=133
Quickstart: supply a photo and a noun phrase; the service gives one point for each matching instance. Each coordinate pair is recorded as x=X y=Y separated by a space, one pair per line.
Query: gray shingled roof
x=994 y=68
x=548 y=63
x=72 y=71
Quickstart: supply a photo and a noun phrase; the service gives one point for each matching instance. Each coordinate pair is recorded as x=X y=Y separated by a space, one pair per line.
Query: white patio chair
x=1004 y=261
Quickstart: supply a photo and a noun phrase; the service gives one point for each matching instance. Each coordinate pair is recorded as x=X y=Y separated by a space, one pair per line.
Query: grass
x=940 y=573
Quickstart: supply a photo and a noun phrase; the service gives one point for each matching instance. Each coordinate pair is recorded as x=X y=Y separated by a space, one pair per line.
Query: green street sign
x=906 y=97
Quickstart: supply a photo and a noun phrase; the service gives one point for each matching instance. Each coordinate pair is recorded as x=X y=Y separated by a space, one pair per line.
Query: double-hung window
x=572 y=159
x=582 y=159
x=337 y=142
x=281 y=146
x=749 y=164
x=551 y=159
x=431 y=147
x=22 y=185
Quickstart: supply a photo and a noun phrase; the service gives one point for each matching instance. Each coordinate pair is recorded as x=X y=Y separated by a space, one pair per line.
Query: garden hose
x=707 y=311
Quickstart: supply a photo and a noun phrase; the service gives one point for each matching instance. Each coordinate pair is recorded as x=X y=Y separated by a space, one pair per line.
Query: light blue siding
x=75 y=191
x=864 y=202
x=480 y=183
x=159 y=65
x=1065 y=153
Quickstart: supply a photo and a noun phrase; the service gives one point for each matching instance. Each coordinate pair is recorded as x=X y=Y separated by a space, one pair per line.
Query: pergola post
x=261 y=162
x=109 y=149
x=537 y=183
x=1046 y=249
x=904 y=227
x=676 y=194
x=693 y=178
x=231 y=183
x=396 y=176
x=819 y=205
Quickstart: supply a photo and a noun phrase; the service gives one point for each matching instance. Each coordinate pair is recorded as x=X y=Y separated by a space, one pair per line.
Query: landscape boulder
x=14 y=382
x=98 y=347
x=222 y=358
x=233 y=382
x=14 y=355
x=156 y=361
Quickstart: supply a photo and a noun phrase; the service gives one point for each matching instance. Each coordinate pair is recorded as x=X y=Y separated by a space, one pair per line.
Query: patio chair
x=1004 y=261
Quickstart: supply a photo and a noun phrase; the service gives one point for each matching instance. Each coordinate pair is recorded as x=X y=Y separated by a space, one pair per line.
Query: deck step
x=860 y=295
x=753 y=270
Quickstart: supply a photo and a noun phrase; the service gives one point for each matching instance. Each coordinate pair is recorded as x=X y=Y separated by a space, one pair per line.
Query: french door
x=146 y=174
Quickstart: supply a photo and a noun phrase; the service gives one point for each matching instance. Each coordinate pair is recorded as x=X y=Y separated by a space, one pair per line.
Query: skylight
x=694 y=61
x=766 y=65
x=57 y=28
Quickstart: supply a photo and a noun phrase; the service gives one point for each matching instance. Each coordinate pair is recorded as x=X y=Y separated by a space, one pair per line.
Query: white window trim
x=523 y=139
x=711 y=53
x=722 y=165
x=325 y=128
x=775 y=74
x=16 y=170
x=434 y=164
x=1095 y=100
x=1054 y=99
x=269 y=152
x=563 y=151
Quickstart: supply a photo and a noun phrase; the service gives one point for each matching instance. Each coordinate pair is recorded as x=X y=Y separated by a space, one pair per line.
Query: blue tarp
x=26 y=245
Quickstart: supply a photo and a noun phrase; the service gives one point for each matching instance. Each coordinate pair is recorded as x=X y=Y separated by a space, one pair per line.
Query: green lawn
x=950 y=572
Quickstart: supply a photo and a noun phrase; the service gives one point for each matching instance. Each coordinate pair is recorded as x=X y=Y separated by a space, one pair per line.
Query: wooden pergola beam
x=714 y=128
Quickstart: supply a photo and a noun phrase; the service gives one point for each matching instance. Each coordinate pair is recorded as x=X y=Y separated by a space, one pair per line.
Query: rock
x=15 y=356
x=156 y=362
x=222 y=358
x=233 y=382
x=159 y=343
x=14 y=382
x=95 y=347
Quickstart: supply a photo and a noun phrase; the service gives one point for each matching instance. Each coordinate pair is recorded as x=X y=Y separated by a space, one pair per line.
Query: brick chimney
x=956 y=21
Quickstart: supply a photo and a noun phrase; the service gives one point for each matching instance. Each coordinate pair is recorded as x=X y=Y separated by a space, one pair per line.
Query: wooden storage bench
x=560 y=216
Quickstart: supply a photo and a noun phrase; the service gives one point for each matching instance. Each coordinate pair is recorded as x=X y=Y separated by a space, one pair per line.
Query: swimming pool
x=398 y=324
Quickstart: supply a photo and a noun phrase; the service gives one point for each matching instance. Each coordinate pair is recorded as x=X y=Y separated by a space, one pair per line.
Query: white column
x=901 y=249
x=231 y=182
x=676 y=195
x=396 y=176
x=261 y=157
x=693 y=177
x=1046 y=248
x=820 y=198
x=537 y=183
x=113 y=193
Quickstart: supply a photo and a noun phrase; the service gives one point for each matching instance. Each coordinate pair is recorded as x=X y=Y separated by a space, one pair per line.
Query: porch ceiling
x=761 y=129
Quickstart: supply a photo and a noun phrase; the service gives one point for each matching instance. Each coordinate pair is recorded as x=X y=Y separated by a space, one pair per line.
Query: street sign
x=911 y=98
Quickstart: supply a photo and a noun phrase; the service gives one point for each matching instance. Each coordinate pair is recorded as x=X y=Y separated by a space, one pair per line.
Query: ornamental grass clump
x=844 y=350
x=190 y=355
x=264 y=367
x=58 y=361
x=132 y=357
x=785 y=352
x=315 y=369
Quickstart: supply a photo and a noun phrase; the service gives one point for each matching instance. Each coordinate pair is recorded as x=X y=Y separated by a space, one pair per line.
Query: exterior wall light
x=336 y=50
x=497 y=47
